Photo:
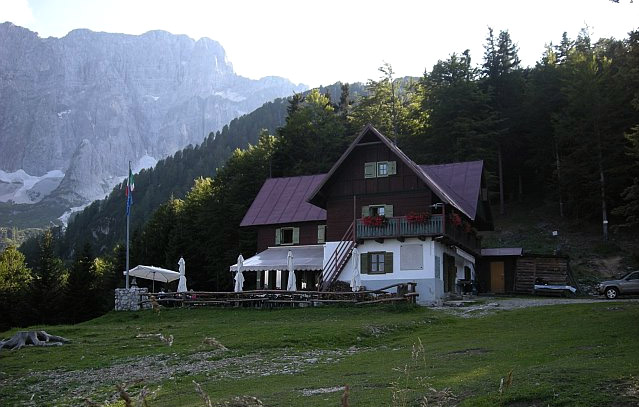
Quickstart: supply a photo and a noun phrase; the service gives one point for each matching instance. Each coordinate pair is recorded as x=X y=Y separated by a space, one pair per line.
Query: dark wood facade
x=307 y=234
x=348 y=190
x=531 y=270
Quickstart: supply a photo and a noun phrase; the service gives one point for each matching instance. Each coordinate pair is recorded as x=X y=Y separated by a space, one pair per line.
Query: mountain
x=75 y=110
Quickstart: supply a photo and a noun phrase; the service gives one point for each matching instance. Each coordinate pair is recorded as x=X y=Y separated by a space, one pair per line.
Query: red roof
x=460 y=181
x=283 y=200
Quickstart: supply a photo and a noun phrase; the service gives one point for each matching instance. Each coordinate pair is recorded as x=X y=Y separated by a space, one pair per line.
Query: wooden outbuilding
x=510 y=270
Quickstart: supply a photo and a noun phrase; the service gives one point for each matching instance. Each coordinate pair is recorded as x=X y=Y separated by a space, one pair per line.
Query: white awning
x=465 y=255
x=274 y=258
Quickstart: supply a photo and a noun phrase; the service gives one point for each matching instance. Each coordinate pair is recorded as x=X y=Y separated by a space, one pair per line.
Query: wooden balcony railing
x=399 y=226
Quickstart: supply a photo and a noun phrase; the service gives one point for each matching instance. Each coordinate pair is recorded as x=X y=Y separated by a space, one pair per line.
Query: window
x=377 y=210
x=287 y=236
x=376 y=262
x=382 y=169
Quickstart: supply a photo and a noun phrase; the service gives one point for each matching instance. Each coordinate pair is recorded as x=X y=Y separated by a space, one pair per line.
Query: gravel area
x=487 y=305
x=71 y=388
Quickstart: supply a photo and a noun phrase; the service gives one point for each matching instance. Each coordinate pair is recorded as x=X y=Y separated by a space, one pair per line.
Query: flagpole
x=128 y=212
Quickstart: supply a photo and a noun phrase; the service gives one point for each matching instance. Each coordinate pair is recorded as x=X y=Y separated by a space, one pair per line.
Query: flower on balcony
x=418 y=217
x=374 y=220
x=456 y=219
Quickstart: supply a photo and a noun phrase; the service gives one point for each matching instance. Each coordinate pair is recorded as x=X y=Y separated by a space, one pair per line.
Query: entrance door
x=450 y=273
x=497 y=276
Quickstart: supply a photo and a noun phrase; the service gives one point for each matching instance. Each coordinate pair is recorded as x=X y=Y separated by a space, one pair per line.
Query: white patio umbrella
x=292 y=284
x=182 y=283
x=356 y=280
x=153 y=273
x=239 y=276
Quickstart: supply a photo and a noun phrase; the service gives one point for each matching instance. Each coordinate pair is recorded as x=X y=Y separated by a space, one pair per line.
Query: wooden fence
x=396 y=293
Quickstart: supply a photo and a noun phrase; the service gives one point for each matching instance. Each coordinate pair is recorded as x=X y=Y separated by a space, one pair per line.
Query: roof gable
x=284 y=200
x=430 y=178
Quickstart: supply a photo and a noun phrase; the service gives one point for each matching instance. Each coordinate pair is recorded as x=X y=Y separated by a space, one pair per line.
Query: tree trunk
x=501 y=183
x=602 y=182
x=35 y=338
x=561 y=202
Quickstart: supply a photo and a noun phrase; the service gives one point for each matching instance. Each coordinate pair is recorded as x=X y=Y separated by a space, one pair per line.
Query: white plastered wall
x=430 y=283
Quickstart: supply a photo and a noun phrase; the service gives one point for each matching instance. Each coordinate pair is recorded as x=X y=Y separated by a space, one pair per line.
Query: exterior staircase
x=338 y=259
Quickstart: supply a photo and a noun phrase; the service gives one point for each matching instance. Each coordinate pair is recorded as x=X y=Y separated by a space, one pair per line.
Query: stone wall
x=129 y=300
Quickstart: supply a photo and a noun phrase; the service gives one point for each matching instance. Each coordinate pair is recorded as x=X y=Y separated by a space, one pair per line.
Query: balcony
x=400 y=227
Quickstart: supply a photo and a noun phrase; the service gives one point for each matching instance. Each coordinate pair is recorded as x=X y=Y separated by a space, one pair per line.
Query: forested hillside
x=563 y=134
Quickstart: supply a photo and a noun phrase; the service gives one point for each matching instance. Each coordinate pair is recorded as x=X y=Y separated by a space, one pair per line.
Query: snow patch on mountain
x=21 y=188
x=145 y=162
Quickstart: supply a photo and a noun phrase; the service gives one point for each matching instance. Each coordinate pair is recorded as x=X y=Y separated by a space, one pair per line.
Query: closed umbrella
x=182 y=283
x=292 y=284
x=153 y=273
x=356 y=280
x=239 y=276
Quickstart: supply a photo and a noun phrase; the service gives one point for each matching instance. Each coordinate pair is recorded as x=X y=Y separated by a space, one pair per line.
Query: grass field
x=565 y=355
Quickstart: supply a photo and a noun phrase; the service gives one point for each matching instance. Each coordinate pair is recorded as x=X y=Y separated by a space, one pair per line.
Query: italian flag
x=130 y=186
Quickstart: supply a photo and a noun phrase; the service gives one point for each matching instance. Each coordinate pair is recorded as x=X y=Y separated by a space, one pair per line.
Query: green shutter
x=278 y=234
x=363 y=263
x=296 y=235
x=388 y=262
x=370 y=170
x=392 y=167
x=365 y=211
x=321 y=233
x=388 y=211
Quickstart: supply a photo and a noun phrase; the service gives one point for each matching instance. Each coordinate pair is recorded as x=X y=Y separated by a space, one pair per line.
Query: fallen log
x=32 y=338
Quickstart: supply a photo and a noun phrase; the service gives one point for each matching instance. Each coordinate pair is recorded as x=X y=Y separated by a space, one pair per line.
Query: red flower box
x=374 y=220
x=456 y=219
x=418 y=217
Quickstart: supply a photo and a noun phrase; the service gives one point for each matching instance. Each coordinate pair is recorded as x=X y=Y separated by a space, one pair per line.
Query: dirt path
x=488 y=305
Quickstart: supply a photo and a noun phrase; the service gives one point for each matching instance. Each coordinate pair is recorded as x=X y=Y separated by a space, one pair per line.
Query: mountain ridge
x=87 y=103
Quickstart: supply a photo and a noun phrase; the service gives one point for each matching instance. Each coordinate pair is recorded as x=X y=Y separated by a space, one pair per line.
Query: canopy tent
x=275 y=258
x=182 y=284
x=153 y=273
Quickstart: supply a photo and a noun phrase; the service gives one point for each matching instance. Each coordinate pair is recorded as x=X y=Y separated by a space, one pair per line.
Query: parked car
x=628 y=284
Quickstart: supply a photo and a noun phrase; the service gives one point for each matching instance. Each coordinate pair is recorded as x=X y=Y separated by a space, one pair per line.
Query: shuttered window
x=287 y=236
x=376 y=262
x=380 y=169
x=377 y=210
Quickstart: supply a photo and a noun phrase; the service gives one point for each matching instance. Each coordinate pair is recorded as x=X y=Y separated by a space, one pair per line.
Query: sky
x=322 y=42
